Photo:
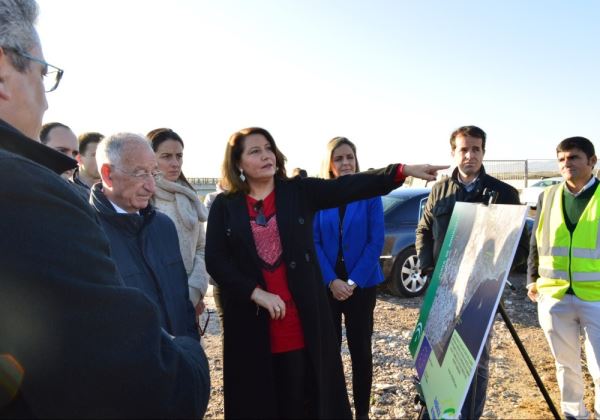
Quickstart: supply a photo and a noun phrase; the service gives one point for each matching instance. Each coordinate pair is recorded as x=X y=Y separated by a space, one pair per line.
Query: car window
x=546 y=183
x=422 y=207
x=391 y=203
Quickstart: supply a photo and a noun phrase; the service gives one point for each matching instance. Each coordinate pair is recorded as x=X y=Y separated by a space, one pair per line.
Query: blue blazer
x=362 y=241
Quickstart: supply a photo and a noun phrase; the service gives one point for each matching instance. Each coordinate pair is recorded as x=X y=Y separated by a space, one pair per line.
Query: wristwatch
x=351 y=283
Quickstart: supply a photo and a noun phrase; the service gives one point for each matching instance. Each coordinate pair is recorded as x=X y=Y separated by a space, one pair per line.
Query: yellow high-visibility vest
x=564 y=258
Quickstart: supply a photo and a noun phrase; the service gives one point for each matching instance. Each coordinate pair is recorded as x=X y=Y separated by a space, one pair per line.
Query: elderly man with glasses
x=73 y=341
x=143 y=241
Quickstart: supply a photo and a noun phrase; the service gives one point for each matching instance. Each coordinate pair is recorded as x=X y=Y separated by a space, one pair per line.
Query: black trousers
x=358 y=319
x=294 y=385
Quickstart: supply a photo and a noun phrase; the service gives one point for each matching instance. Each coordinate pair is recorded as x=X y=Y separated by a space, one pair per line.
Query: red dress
x=286 y=333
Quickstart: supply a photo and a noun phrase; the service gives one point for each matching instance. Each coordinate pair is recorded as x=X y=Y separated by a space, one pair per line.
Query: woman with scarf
x=176 y=198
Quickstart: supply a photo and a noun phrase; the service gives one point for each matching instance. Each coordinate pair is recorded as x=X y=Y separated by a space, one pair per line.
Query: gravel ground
x=512 y=392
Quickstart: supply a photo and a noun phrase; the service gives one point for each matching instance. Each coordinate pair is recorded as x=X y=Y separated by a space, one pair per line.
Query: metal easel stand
x=528 y=361
x=423 y=414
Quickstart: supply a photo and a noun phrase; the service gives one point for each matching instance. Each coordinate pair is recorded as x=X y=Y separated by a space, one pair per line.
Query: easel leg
x=528 y=361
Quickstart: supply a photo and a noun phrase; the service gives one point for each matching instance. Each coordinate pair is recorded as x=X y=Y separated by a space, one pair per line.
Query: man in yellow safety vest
x=564 y=272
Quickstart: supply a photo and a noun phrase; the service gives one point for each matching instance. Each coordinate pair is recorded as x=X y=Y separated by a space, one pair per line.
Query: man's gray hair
x=110 y=150
x=17 y=31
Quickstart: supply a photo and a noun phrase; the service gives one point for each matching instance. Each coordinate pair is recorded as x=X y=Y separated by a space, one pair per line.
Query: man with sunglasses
x=73 y=341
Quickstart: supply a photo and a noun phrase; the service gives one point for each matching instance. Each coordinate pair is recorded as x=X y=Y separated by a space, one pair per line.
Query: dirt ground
x=512 y=392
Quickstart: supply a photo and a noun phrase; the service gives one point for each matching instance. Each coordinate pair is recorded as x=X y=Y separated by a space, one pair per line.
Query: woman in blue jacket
x=349 y=240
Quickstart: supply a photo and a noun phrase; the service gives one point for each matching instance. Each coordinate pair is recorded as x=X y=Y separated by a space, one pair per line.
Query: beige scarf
x=188 y=205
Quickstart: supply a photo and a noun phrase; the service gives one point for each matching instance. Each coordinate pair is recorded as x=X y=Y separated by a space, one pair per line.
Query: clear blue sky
x=394 y=76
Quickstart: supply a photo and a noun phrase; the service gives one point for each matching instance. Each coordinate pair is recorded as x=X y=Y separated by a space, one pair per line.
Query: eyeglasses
x=142 y=176
x=202 y=330
x=260 y=218
x=52 y=74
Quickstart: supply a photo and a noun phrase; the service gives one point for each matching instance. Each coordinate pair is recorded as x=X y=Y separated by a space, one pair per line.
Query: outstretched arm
x=425 y=171
x=324 y=194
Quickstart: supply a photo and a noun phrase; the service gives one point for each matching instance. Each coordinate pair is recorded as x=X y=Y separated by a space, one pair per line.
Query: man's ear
x=5 y=67
x=106 y=175
x=593 y=161
x=78 y=158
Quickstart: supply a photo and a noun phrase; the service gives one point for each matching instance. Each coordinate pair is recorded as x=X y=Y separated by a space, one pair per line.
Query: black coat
x=88 y=346
x=146 y=251
x=232 y=261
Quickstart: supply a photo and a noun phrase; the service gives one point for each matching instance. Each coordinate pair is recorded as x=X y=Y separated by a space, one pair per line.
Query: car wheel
x=406 y=279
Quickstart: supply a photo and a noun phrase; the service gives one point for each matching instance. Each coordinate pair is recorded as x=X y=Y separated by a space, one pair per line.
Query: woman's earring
x=242 y=176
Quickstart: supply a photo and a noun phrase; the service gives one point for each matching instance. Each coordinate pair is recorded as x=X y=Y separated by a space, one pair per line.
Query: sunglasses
x=260 y=219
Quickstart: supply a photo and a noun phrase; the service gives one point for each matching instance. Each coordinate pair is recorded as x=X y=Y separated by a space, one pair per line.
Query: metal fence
x=518 y=173
x=203 y=181
x=203 y=186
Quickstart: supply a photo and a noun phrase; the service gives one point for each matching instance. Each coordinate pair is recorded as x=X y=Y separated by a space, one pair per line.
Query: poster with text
x=461 y=302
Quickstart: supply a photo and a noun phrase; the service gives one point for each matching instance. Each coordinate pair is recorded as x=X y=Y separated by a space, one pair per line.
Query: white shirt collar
x=470 y=183
x=585 y=187
x=120 y=210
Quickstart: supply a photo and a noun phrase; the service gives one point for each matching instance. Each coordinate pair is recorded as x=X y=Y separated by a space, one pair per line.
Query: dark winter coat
x=433 y=225
x=232 y=261
x=79 y=187
x=88 y=346
x=145 y=249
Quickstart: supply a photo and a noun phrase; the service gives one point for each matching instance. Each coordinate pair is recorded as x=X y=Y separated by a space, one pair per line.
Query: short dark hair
x=159 y=135
x=85 y=139
x=46 y=128
x=581 y=143
x=233 y=154
x=468 y=130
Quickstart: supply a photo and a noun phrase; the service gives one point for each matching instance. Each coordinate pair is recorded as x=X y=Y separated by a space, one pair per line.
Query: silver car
x=531 y=194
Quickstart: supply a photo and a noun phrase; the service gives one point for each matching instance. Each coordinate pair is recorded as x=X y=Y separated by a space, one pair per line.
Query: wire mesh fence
x=518 y=173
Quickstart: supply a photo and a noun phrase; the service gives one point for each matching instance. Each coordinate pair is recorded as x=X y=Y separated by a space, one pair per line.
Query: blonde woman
x=349 y=240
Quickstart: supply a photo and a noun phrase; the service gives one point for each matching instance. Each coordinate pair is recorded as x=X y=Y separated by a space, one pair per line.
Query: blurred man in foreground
x=73 y=341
